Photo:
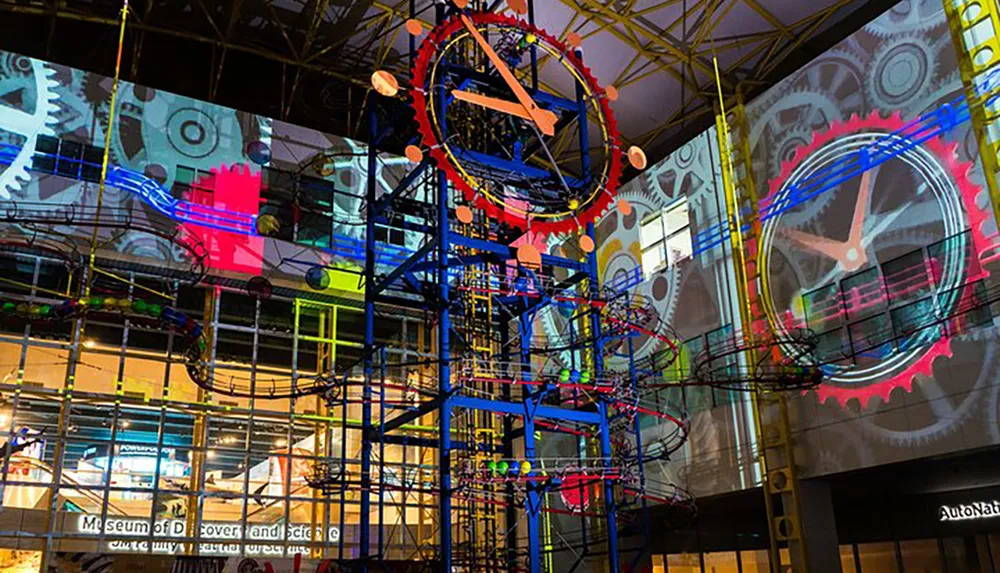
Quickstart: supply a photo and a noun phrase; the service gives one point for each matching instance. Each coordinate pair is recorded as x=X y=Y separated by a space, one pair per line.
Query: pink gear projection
x=959 y=170
x=421 y=64
x=235 y=189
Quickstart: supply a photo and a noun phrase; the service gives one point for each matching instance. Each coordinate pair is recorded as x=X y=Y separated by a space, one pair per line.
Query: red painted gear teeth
x=946 y=153
x=419 y=103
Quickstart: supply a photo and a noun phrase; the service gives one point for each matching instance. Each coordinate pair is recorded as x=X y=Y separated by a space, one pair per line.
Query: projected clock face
x=514 y=151
x=825 y=272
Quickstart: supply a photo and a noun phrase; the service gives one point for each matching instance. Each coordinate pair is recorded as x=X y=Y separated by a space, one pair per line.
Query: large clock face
x=843 y=276
x=545 y=158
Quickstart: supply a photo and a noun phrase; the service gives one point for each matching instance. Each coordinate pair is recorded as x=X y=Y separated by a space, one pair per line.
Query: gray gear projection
x=27 y=109
x=829 y=90
x=908 y=16
x=901 y=72
x=157 y=132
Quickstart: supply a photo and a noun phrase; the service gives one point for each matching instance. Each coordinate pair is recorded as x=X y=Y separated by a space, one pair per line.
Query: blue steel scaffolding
x=426 y=281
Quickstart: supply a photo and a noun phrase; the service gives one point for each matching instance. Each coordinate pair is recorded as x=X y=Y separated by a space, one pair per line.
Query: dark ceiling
x=309 y=61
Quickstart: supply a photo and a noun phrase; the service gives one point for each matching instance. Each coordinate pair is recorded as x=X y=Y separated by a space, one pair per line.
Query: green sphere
x=9 y=306
x=585 y=377
x=155 y=310
x=96 y=302
x=45 y=310
x=564 y=375
x=502 y=467
x=492 y=466
x=139 y=306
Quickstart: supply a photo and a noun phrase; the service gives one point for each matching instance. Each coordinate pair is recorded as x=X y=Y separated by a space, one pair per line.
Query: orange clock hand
x=511 y=107
x=546 y=124
x=861 y=209
x=822 y=245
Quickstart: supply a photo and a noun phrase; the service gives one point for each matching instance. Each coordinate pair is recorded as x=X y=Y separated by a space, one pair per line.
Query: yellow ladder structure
x=775 y=449
x=485 y=431
x=974 y=26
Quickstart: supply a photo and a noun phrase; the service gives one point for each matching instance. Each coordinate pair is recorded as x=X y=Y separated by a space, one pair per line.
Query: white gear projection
x=29 y=125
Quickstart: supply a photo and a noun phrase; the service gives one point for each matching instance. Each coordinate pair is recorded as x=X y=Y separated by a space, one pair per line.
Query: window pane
x=651 y=231
x=755 y=561
x=956 y=554
x=721 y=562
x=659 y=564
x=677 y=217
x=847 y=559
x=877 y=557
x=920 y=556
x=679 y=245
x=652 y=259
x=683 y=563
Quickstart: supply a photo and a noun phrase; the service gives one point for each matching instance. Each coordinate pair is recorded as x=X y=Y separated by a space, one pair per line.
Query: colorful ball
x=96 y=302
x=564 y=375
x=502 y=466
x=139 y=306
x=492 y=466
x=585 y=377
x=514 y=468
x=155 y=310
x=45 y=310
x=111 y=303
x=9 y=306
x=525 y=467
x=574 y=376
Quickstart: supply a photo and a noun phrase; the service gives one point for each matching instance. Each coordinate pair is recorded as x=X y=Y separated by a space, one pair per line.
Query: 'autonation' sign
x=217 y=538
x=974 y=510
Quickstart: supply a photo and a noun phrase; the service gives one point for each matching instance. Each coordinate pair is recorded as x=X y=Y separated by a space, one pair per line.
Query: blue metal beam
x=522 y=409
x=415 y=258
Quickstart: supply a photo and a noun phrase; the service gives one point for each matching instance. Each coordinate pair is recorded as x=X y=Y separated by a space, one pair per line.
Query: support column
x=444 y=373
x=371 y=258
x=820 y=527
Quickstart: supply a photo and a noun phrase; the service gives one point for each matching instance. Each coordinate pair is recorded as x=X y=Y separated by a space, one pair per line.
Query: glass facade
x=116 y=450
x=950 y=554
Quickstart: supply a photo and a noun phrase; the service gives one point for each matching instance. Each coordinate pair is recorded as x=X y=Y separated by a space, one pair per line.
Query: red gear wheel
x=420 y=69
x=946 y=154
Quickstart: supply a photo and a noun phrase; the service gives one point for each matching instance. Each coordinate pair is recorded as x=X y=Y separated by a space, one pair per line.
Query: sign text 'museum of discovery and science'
x=216 y=538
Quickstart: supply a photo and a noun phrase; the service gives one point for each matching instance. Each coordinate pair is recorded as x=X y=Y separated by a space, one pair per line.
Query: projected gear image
x=159 y=132
x=908 y=16
x=29 y=83
x=524 y=171
x=885 y=219
x=902 y=71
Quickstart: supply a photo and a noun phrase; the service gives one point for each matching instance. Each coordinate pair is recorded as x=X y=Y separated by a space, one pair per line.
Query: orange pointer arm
x=496 y=104
x=546 y=124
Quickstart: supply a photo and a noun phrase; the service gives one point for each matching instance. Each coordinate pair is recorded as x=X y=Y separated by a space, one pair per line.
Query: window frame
x=664 y=237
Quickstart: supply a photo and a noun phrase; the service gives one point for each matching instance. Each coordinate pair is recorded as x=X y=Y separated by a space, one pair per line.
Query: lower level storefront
x=926 y=516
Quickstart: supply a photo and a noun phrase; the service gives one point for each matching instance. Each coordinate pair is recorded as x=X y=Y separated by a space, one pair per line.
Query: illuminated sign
x=141 y=450
x=217 y=538
x=974 y=510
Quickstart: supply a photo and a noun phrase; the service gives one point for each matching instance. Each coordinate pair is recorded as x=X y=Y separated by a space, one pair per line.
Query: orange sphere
x=637 y=157
x=574 y=39
x=624 y=207
x=414 y=153
x=518 y=6
x=612 y=93
x=414 y=27
x=385 y=83
x=587 y=244
x=528 y=255
x=461 y=4
x=464 y=214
